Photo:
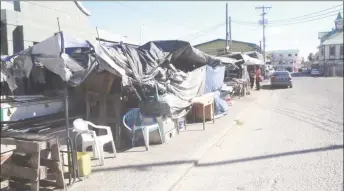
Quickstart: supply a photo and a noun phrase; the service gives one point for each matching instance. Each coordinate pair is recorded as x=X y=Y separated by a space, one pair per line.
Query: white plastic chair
x=89 y=138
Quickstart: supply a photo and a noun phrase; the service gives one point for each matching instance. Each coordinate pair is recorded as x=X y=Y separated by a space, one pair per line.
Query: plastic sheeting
x=179 y=98
x=214 y=78
x=175 y=67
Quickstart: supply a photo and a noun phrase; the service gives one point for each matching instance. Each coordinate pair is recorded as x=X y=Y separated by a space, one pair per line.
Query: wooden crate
x=29 y=163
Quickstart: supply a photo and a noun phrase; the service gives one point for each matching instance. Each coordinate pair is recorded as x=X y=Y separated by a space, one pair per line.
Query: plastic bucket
x=84 y=163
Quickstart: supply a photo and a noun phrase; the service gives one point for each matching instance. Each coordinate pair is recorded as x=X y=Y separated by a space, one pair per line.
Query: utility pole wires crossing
x=263 y=8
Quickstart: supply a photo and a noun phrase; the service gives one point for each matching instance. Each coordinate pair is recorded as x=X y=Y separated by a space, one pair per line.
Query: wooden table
x=204 y=101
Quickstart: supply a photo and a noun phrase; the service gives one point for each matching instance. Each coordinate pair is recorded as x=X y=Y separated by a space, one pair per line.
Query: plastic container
x=84 y=163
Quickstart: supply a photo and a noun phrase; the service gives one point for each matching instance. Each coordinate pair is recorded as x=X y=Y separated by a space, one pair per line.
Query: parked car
x=281 y=79
x=315 y=72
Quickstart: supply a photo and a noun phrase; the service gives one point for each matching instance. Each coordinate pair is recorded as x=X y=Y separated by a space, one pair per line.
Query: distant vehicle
x=281 y=79
x=315 y=72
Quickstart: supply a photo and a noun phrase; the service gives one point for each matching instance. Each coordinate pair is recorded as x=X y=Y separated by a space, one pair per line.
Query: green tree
x=310 y=57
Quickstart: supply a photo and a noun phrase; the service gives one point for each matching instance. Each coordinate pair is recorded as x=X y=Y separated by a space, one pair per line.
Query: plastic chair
x=133 y=121
x=89 y=138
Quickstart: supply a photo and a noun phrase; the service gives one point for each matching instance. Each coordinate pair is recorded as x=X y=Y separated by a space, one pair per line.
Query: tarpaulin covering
x=174 y=67
x=214 y=78
x=248 y=58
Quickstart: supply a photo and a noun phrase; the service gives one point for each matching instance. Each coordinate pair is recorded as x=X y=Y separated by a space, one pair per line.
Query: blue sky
x=164 y=20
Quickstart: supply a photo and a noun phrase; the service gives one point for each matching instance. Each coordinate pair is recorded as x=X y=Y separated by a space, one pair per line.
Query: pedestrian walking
x=252 y=77
x=258 y=77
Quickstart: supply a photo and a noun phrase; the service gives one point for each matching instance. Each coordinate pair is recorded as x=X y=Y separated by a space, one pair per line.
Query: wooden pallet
x=29 y=162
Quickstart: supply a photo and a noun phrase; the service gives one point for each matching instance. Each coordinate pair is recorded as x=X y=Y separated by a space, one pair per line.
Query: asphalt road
x=291 y=139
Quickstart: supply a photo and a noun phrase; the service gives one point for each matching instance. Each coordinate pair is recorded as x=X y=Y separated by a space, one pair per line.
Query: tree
x=310 y=57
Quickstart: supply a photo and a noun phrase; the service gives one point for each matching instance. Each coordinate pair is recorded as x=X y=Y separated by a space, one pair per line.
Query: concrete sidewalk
x=163 y=165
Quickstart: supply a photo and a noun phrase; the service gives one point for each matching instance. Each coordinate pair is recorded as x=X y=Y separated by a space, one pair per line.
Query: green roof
x=339 y=16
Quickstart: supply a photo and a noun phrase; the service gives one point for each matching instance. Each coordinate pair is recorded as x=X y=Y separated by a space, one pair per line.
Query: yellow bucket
x=84 y=163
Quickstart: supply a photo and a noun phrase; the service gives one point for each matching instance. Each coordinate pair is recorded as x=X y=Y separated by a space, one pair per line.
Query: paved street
x=292 y=139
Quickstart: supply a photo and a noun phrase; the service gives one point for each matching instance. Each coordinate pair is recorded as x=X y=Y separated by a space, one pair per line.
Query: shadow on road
x=147 y=166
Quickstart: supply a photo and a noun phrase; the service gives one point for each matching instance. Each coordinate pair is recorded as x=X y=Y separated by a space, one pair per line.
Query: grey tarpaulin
x=174 y=67
x=48 y=54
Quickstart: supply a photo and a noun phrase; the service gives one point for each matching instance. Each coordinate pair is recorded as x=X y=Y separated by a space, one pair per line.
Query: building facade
x=25 y=23
x=217 y=47
x=330 y=55
x=286 y=59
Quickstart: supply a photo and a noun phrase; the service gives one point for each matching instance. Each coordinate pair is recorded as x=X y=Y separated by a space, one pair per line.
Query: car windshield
x=280 y=74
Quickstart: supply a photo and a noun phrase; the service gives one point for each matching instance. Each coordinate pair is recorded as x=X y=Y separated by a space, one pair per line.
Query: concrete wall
x=37 y=20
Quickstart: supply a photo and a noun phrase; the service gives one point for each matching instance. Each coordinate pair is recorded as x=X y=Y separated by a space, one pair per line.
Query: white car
x=315 y=72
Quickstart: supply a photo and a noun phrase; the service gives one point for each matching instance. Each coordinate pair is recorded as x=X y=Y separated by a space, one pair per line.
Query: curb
x=201 y=152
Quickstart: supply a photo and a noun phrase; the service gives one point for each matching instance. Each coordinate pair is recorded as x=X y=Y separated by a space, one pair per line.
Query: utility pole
x=230 y=34
x=226 y=48
x=263 y=24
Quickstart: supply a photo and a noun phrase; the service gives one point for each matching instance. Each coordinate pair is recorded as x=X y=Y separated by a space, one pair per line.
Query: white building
x=25 y=23
x=329 y=58
x=286 y=59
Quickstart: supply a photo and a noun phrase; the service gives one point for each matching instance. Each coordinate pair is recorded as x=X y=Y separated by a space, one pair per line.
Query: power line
x=204 y=30
x=310 y=13
x=300 y=19
x=304 y=21
x=288 y=23
x=307 y=16
x=206 y=33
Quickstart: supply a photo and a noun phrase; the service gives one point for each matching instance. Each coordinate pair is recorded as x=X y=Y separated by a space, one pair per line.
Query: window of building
x=34 y=43
x=332 y=50
x=341 y=50
x=317 y=57
x=322 y=51
x=16 y=5
x=4 y=45
x=295 y=54
x=289 y=55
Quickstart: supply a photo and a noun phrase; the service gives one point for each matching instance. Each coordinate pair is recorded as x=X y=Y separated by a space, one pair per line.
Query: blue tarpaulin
x=221 y=105
x=214 y=78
